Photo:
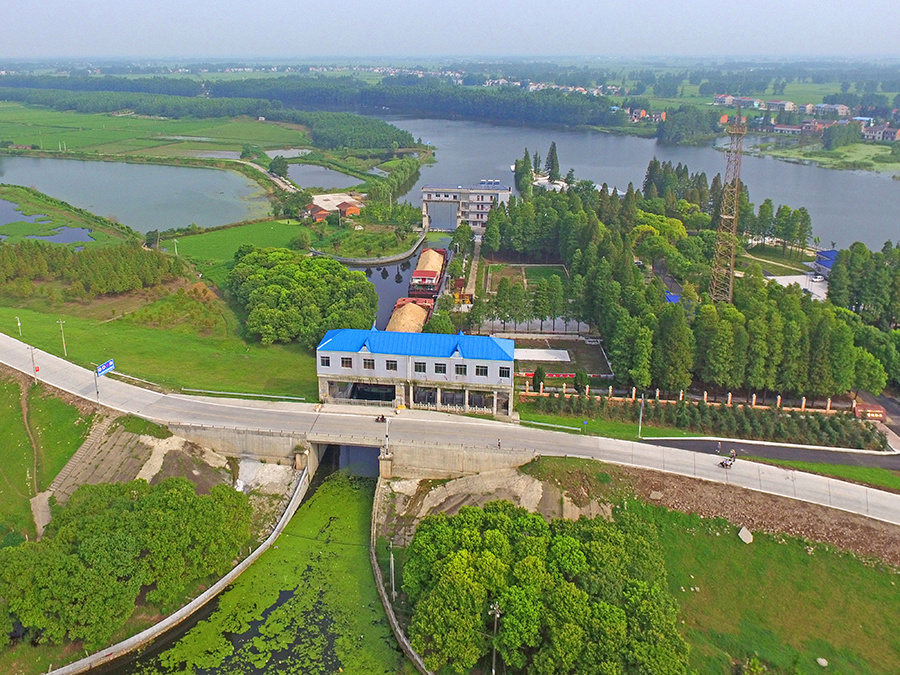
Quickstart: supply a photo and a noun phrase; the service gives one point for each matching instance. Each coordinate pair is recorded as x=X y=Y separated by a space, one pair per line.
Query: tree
x=869 y=374
x=279 y=166
x=552 y=163
x=439 y=322
x=673 y=350
x=537 y=378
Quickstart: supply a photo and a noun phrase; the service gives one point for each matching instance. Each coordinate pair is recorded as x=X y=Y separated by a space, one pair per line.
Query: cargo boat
x=426 y=279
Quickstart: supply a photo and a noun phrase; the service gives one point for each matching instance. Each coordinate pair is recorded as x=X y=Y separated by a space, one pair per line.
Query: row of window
x=418 y=366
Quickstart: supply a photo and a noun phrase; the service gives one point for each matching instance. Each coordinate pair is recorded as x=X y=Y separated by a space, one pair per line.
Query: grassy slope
x=59 y=429
x=778 y=598
x=16 y=464
x=320 y=569
x=173 y=359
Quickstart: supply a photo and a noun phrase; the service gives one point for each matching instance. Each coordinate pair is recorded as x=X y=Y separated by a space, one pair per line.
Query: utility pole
x=63 y=333
x=494 y=612
x=641 y=416
x=175 y=241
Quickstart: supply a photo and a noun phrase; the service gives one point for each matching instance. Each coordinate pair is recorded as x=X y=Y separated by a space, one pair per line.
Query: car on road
x=818 y=277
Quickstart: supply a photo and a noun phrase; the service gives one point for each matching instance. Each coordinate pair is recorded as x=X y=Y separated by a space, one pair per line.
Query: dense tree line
x=772 y=339
x=585 y=596
x=838 y=135
x=109 y=544
x=89 y=272
x=327 y=130
x=290 y=297
x=688 y=124
x=735 y=421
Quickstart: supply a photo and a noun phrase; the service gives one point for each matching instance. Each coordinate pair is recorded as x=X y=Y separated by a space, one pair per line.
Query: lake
x=143 y=196
x=845 y=206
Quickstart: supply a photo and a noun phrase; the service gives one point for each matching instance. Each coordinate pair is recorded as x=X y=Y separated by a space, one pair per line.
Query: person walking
x=498 y=443
x=719 y=448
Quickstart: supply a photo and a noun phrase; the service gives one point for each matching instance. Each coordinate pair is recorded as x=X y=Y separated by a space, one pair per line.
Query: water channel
x=143 y=196
x=845 y=206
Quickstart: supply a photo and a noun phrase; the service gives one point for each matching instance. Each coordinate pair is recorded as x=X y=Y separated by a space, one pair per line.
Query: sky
x=324 y=29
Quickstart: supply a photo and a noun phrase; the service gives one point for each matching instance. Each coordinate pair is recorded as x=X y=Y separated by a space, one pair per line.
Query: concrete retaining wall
x=256 y=443
x=448 y=461
x=143 y=638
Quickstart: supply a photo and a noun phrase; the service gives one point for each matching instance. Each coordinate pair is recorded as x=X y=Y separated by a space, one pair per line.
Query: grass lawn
x=534 y=273
x=779 y=598
x=874 y=476
x=16 y=464
x=308 y=605
x=626 y=431
x=171 y=358
x=51 y=217
x=775 y=262
x=59 y=429
x=865 y=156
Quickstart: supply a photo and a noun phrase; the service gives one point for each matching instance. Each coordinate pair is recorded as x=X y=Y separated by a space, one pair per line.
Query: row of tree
x=585 y=596
x=89 y=272
x=109 y=544
x=290 y=297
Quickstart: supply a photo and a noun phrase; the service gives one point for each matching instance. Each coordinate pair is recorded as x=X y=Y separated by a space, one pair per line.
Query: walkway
x=430 y=430
x=473 y=273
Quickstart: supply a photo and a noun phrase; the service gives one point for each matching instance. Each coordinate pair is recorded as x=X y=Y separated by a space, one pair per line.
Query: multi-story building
x=781 y=106
x=473 y=201
x=419 y=370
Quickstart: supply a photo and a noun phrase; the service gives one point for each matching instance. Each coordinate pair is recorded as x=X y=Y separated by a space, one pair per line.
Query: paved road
x=429 y=429
x=773 y=451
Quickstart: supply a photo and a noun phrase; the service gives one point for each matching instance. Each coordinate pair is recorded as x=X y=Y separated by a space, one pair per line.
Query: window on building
x=325 y=361
x=480 y=371
x=369 y=364
x=346 y=362
x=390 y=364
x=504 y=371
x=440 y=368
x=419 y=366
x=460 y=368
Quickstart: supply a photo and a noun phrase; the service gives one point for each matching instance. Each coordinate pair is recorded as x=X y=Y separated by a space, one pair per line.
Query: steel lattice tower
x=721 y=282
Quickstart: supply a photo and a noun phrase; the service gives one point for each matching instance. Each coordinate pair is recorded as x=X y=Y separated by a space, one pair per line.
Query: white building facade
x=473 y=201
x=467 y=373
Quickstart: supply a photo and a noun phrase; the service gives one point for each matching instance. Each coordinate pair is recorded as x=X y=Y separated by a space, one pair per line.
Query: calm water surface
x=845 y=206
x=310 y=175
x=143 y=196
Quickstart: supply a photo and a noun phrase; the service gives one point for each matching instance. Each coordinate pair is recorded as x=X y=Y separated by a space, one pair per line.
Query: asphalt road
x=786 y=452
x=424 y=429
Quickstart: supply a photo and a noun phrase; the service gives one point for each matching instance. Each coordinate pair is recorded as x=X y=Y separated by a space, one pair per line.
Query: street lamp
x=63 y=333
x=20 y=326
x=641 y=416
x=494 y=612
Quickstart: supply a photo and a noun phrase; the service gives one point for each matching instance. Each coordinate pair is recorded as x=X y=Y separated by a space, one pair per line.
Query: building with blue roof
x=824 y=262
x=418 y=370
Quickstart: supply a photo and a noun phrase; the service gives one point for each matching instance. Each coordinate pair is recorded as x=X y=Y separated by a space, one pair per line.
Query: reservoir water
x=845 y=206
x=143 y=196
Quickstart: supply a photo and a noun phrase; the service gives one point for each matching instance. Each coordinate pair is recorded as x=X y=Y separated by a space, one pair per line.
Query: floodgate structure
x=466 y=373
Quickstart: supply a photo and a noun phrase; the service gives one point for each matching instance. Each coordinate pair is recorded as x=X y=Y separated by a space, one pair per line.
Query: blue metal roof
x=418 y=344
x=672 y=297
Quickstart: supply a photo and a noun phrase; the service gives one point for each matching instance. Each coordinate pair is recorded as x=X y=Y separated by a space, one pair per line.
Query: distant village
x=825 y=115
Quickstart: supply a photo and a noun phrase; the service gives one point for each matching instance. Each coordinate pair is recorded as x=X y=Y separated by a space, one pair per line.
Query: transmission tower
x=721 y=282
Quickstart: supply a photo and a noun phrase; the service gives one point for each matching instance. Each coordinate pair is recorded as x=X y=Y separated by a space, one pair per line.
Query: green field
x=779 y=598
x=109 y=134
x=771 y=259
x=33 y=203
x=173 y=359
x=308 y=605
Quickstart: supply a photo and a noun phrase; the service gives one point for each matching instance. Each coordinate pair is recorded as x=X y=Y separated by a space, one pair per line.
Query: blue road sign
x=104 y=368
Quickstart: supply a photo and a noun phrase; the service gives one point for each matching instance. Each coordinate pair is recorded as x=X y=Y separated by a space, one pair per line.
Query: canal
x=308 y=605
